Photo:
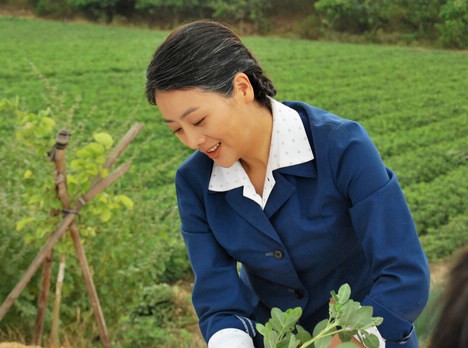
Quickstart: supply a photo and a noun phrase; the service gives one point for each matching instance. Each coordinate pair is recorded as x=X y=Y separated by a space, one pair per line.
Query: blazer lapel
x=283 y=188
x=251 y=212
x=282 y=191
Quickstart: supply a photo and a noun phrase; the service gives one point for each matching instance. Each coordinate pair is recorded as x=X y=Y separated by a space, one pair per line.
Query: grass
x=412 y=101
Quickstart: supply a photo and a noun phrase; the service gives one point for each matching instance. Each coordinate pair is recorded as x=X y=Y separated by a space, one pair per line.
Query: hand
x=336 y=341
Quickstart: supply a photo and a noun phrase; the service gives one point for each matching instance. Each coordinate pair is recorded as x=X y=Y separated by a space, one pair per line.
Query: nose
x=194 y=140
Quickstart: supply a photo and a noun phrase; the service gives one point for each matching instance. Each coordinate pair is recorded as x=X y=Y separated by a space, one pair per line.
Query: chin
x=225 y=164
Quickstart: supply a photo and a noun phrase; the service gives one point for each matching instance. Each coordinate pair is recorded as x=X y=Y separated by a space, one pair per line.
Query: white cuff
x=230 y=338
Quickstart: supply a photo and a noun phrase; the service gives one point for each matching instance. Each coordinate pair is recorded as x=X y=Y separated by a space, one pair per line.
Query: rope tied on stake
x=66 y=212
x=63 y=136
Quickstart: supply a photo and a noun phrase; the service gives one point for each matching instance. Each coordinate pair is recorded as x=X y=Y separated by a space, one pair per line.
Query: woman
x=298 y=196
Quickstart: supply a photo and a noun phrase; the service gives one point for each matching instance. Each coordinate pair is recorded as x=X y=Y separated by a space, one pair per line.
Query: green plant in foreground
x=347 y=318
x=35 y=134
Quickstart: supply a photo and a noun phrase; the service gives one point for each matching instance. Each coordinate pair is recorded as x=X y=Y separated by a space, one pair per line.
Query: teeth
x=214 y=147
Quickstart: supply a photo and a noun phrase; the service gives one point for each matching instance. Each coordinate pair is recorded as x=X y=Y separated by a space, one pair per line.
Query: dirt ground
x=15 y=345
x=439 y=272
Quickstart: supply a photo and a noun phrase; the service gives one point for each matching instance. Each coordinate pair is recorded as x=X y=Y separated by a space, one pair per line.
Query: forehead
x=177 y=104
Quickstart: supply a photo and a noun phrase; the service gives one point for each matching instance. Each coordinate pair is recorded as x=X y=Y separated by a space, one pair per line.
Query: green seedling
x=347 y=319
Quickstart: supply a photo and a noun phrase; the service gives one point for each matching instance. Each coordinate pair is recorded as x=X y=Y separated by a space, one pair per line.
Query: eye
x=177 y=131
x=199 y=123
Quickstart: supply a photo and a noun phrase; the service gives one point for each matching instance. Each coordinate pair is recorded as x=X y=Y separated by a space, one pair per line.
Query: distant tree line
x=441 y=22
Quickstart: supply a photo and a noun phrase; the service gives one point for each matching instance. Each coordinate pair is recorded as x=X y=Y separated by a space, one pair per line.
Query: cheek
x=228 y=127
x=183 y=140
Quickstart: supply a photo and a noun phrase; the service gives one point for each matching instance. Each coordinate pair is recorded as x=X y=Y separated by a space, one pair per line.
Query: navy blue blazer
x=340 y=218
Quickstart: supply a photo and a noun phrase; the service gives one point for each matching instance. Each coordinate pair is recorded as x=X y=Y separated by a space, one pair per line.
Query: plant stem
x=322 y=334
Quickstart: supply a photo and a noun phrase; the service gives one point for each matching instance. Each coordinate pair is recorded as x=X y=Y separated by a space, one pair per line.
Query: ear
x=242 y=88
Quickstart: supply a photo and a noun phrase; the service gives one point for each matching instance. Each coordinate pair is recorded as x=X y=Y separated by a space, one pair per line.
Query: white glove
x=230 y=338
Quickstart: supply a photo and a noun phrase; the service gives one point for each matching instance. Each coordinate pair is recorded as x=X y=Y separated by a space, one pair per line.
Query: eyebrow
x=184 y=114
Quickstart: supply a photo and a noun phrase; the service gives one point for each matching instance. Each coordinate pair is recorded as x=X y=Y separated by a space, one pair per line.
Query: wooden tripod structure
x=99 y=184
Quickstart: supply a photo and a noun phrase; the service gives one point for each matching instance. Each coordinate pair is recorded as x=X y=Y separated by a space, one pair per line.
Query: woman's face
x=207 y=121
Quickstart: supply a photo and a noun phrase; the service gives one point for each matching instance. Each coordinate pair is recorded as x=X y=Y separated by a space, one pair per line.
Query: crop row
x=426 y=163
x=396 y=143
x=413 y=116
x=433 y=204
x=442 y=241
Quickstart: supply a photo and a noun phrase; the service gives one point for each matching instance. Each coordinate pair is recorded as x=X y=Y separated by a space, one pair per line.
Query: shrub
x=454 y=28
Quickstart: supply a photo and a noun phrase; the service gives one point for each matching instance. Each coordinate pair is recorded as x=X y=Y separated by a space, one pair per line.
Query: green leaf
x=284 y=321
x=100 y=160
x=72 y=180
x=271 y=340
x=292 y=316
x=371 y=341
x=48 y=122
x=285 y=341
x=75 y=164
x=333 y=294
x=344 y=293
x=104 y=173
x=261 y=329
x=27 y=174
x=23 y=222
x=95 y=149
x=293 y=342
x=357 y=317
x=82 y=153
x=277 y=319
x=105 y=215
x=348 y=314
x=126 y=201
x=345 y=336
x=376 y=321
x=104 y=139
x=347 y=345
x=320 y=327
x=302 y=335
x=323 y=342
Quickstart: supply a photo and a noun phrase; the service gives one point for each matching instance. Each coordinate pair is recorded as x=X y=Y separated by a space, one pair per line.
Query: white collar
x=289 y=146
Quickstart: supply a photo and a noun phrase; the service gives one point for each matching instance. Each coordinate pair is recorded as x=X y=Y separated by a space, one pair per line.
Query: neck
x=256 y=159
x=258 y=149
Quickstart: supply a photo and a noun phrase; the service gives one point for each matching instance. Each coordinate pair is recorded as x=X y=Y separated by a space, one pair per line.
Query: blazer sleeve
x=220 y=298
x=384 y=226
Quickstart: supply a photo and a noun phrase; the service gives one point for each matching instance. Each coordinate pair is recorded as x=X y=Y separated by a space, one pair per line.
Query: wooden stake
x=54 y=335
x=95 y=305
x=42 y=302
x=56 y=155
x=120 y=148
x=62 y=194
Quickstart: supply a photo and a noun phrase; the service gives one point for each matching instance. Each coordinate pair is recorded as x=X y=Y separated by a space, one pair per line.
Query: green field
x=413 y=103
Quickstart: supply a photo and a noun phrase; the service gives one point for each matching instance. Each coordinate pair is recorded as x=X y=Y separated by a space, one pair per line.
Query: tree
x=105 y=9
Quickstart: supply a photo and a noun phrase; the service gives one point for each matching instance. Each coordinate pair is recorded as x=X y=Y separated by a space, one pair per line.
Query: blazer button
x=278 y=254
x=299 y=293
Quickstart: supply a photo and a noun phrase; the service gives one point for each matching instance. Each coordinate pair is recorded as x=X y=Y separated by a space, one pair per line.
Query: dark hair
x=205 y=55
x=452 y=327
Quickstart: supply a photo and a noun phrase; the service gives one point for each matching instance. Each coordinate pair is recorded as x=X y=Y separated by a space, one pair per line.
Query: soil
x=15 y=345
x=439 y=272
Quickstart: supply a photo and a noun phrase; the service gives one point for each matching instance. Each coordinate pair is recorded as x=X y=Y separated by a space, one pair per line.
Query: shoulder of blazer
x=319 y=124
x=314 y=116
x=196 y=167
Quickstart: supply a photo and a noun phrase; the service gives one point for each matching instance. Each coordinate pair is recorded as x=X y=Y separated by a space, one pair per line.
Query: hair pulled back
x=204 y=55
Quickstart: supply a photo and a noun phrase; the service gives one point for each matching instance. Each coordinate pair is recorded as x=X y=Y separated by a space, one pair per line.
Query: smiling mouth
x=214 y=148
